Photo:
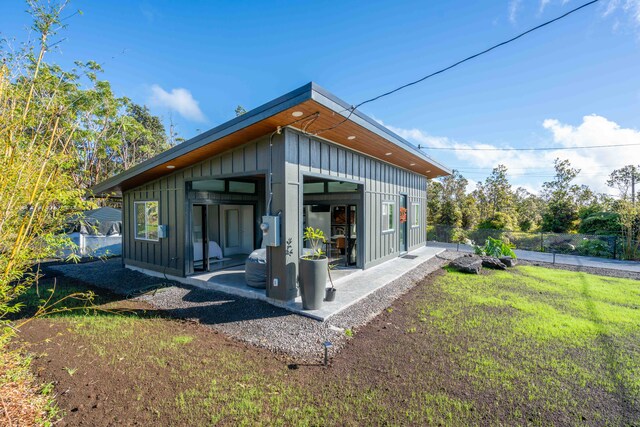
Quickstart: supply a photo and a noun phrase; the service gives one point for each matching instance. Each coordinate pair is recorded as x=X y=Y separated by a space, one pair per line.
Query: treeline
x=111 y=134
x=562 y=206
x=61 y=132
x=106 y=133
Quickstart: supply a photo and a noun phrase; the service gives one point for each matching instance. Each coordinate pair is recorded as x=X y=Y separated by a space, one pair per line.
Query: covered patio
x=352 y=285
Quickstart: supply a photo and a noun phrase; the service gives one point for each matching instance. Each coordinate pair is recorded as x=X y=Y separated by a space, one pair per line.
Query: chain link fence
x=572 y=244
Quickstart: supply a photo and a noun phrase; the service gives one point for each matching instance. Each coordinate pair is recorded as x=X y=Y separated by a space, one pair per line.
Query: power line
x=469 y=58
x=533 y=175
x=550 y=168
x=583 y=147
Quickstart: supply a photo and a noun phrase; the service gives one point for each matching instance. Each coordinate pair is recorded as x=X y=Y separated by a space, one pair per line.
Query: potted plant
x=313 y=270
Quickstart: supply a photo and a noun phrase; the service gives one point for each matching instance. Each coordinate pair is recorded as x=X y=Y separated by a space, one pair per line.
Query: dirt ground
x=154 y=370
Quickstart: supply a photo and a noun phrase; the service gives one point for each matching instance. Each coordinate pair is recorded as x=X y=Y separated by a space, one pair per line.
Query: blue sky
x=574 y=83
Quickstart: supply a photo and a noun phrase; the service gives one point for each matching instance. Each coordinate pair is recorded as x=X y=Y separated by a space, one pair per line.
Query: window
x=208 y=185
x=388 y=216
x=146 y=220
x=242 y=187
x=341 y=187
x=415 y=217
x=313 y=187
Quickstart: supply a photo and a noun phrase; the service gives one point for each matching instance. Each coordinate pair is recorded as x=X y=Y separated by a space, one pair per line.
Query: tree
x=561 y=214
x=240 y=110
x=624 y=179
x=451 y=199
x=434 y=200
x=469 y=212
x=630 y=230
x=498 y=190
x=450 y=214
x=114 y=133
x=38 y=193
x=496 y=200
x=529 y=209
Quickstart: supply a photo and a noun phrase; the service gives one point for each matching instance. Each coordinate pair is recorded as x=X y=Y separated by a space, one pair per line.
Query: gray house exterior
x=302 y=158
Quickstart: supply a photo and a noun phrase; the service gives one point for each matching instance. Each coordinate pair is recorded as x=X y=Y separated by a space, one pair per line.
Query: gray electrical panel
x=163 y=231
x=271 y=230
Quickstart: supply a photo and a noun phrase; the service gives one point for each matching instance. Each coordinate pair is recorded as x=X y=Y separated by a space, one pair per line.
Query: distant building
x=97 y=232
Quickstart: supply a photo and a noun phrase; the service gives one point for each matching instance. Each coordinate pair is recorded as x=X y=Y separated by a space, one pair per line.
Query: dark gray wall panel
x=382 y=182
x=170 y=191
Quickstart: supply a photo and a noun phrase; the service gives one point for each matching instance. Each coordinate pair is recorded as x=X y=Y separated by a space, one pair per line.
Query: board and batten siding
x=382 y=182
x=170 y=254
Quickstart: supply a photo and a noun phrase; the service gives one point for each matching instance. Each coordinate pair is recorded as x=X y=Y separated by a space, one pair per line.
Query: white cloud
x=543 y=4
x=514 y=5
x=530 y=168
x=632 y=7
x=179 y=100
x=628 y=16
x=149 y=12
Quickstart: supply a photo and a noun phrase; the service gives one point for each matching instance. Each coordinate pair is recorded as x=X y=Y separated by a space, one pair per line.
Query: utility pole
x=633 y=186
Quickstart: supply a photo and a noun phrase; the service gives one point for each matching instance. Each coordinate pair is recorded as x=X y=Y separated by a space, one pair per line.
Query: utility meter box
x=270 y=230
x=163 y=231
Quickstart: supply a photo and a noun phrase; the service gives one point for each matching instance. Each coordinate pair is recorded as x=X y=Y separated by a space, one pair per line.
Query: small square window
x=388 y=216
x=415 y=217
x=146 y=220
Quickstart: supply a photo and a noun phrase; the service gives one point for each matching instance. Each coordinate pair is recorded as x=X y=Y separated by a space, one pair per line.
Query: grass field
x=520 y=347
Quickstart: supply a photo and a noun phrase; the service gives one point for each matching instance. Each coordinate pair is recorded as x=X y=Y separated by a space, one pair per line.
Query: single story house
x=303 y=159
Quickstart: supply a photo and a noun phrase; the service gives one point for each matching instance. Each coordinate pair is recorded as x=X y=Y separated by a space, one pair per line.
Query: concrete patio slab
x=357 y=286
x=351 y=285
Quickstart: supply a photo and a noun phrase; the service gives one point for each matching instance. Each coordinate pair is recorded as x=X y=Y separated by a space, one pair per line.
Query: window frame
x=415 y=215
x=390 y=219
x=146 y=220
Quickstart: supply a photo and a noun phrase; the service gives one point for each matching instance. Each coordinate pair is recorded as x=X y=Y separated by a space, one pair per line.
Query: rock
x=491 y=262
x=467 y=264
x=561 y=246
x=508 y=261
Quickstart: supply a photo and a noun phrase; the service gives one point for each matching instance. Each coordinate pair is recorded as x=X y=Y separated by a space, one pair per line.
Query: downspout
x=268 y=210
x=278 y=131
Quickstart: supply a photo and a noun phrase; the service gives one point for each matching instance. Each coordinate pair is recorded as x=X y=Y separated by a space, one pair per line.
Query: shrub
x=526 y=224
x=603 y=223
x=458 y=235
x=594 y=247
x=499 y=221
x=496 y=248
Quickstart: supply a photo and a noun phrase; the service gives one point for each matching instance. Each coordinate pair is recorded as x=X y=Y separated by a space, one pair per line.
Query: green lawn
x=521 y=347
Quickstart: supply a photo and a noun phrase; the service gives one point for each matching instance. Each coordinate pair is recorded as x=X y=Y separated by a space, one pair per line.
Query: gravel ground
x=109 y=274
x=251 y=321
x=259 y=323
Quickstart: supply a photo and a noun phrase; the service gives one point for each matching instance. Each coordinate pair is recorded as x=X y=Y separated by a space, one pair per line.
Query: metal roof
x=310 y=91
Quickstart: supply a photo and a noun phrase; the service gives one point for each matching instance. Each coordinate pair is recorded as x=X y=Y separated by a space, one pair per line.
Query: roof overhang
x=371 y=138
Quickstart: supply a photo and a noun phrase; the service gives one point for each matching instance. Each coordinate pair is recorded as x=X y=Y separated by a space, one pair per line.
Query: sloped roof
x=371 y=138
x=104 y=214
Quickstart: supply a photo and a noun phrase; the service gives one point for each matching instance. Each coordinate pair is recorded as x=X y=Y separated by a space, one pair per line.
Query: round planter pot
x=330 y=294
x=313 y=281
